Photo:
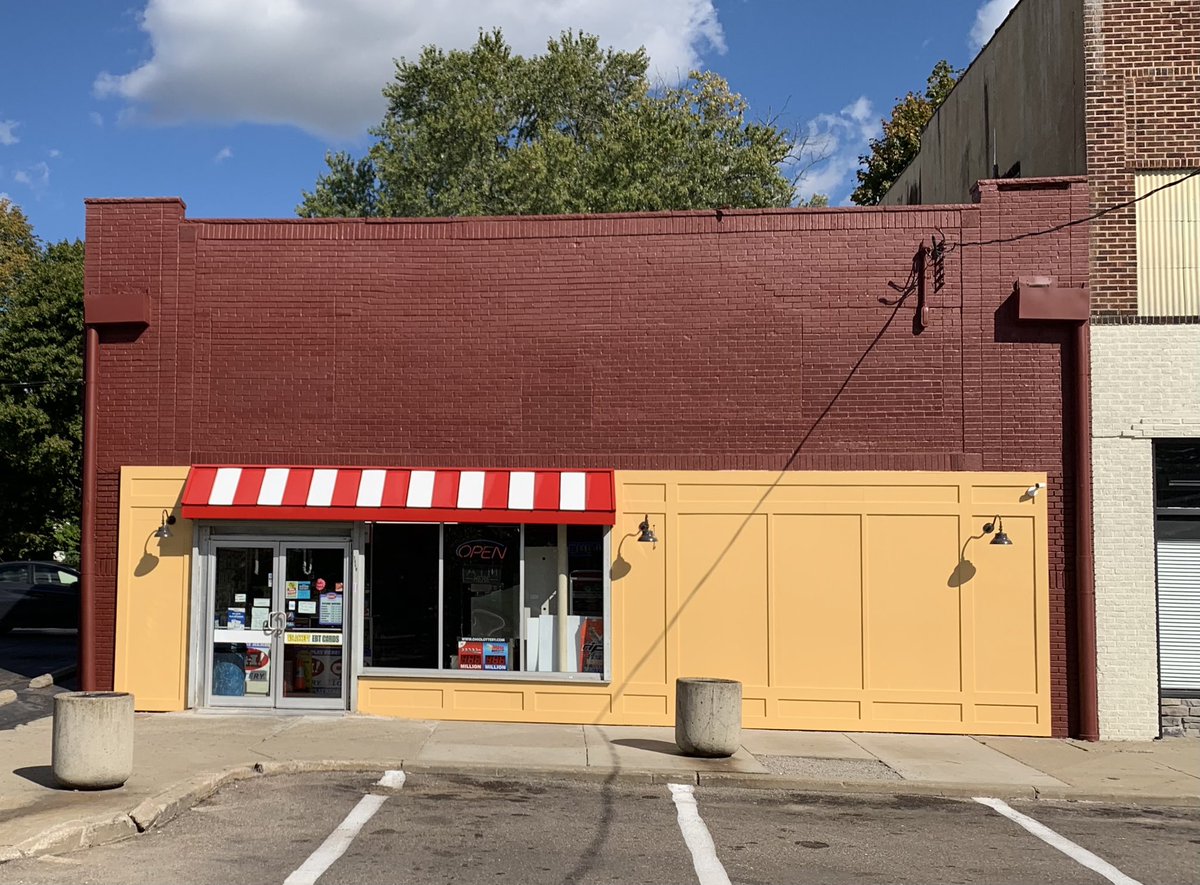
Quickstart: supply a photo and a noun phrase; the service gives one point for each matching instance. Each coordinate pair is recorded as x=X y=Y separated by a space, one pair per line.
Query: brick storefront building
x=816 y=454
x=1111 y=89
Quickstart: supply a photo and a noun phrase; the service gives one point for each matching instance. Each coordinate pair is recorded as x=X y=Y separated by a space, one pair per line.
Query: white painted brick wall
x=1145 y=384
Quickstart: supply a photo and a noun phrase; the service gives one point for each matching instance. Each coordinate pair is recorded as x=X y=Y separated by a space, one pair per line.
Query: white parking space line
x=695 y=834
x=339 y=840
x=1077 y=853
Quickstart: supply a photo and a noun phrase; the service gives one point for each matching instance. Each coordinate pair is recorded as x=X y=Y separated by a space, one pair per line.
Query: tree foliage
x=901 y=137
x=41 y=367
x=485 y=131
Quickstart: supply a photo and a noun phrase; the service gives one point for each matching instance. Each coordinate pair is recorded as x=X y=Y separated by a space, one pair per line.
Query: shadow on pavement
x=42 y=775
x=665 y=747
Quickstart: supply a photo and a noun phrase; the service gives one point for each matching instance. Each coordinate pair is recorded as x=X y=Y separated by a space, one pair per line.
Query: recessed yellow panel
x=801 y=709
x=754 y=708
x=722 y=566
x=644 y=704
x=816 y=594
x=643 y=493
x=913 y=494
x=911 y=610
x=721 y=492
x=922 y=712
x=1006 y=713
x=572 y=702
x=482 y=699
x=1005 y=598
x=379 y=699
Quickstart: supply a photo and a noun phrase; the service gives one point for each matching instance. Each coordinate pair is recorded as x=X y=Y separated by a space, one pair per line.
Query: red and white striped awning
x=577 y=497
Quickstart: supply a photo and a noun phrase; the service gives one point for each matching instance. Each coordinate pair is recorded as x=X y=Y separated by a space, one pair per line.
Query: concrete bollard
x=93 y=739
x=708 y=716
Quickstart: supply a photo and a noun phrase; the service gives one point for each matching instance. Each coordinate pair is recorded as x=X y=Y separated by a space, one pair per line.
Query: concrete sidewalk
x=181 y=758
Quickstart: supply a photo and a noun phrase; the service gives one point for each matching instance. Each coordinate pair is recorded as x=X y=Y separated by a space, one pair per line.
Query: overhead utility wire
x=950 y=247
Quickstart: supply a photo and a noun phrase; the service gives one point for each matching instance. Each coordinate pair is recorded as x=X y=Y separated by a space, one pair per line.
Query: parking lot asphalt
x=25 y=654
x=460 y=829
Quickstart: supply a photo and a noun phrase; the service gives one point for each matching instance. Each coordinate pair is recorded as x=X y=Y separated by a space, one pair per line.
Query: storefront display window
x=484 y=598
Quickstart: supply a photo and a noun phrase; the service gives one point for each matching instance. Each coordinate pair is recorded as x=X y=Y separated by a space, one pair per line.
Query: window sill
x=483 y=675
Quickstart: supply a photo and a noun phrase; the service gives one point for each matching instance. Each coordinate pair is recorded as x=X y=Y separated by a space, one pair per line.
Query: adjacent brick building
x=1111 y=89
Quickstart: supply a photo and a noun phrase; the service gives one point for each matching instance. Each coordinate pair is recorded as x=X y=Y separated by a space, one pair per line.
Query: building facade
x=415 y=467
x=1111 y=89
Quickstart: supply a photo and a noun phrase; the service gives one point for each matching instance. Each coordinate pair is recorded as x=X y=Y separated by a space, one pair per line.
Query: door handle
x=276 y=621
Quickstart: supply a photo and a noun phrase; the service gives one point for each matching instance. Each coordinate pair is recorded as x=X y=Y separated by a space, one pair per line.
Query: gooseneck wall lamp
x=646 y=532
x=164 y=531
x=997 y=526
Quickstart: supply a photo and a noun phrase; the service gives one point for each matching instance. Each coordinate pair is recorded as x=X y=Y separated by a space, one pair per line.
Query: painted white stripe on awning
x=572 y=491
x=520 y=491
x=225 y=485
x=420 y=488
x=320 y=493
x=370 y=488
x=470 y=489
x=274 y=482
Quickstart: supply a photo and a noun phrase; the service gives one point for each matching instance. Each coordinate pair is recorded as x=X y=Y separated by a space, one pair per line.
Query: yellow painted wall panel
x=1013 y=714
x=816 y=601
x=566 y=701
x=1004 y=597
x=819 y=710
x=385 y=697
x=716 y=492
x=911 y=613
x=488 y=699
x=639 y=604
x=754 y=708
x=645 y=704
x=645 y=493
x=919 y=712
x=722 y=566
x=153 y=577
x=914 y=494
x=762 y=588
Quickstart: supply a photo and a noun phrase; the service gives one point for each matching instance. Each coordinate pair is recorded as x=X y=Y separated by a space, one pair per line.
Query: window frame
x=442 y=672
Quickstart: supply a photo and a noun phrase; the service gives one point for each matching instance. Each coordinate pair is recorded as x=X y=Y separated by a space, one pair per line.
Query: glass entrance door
x=244 y=620
x=278 y=615
x=314 y=619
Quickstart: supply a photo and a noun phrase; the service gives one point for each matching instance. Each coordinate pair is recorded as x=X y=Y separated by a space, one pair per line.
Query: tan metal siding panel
x=1168 y=244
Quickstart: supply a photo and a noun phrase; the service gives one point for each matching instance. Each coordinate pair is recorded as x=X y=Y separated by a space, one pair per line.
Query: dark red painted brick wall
x=677 y=341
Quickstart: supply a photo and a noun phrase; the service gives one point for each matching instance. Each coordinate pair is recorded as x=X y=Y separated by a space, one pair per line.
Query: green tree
x=41 y=367
x=484 y=131
x=901 y=136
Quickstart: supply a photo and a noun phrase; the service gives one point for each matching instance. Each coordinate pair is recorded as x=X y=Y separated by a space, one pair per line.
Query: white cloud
x=833 y=143
x=223 y=154
x=988 y=17
x=96 y=118
x=320 y=65
x=54 y=153
x=35 y=177
x=6 y=132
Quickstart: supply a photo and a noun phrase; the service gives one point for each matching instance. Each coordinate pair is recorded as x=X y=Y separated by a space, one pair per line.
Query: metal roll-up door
x=1179 y=615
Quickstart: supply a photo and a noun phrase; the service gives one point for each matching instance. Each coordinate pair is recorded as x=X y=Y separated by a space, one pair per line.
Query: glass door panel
x=243 y=625
x=314 y=614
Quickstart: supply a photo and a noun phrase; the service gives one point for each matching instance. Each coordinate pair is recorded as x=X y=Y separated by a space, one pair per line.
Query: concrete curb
x=169 y=804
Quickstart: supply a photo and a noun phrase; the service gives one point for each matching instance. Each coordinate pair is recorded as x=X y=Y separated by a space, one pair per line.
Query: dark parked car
x=38 y=594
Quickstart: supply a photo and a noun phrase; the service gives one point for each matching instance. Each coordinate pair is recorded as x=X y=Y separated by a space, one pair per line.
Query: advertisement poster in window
x=591 y=646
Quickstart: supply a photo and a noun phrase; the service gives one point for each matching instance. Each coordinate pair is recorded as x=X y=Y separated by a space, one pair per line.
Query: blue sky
x=231 y=104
